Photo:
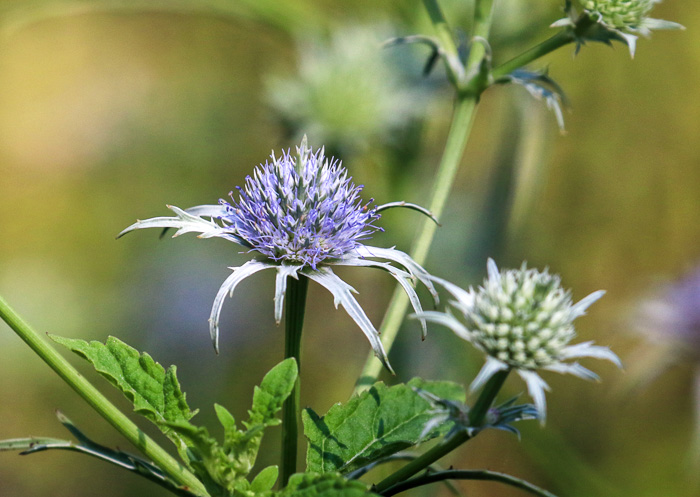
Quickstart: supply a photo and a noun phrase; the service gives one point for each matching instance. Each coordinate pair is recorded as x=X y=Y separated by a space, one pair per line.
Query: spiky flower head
x=300 y=209
x=523 y=321
x=301 y=214
x=608 y=20
x=347 y=92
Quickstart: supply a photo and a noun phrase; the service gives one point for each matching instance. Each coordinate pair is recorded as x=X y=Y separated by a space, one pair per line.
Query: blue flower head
x=301 y=210
x=300 y=214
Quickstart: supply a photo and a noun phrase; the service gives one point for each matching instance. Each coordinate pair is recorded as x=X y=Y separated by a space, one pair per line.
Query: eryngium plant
x=300 y=214
x=523 y=321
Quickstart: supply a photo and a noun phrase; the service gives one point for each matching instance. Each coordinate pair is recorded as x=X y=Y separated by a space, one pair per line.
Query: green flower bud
x=620 y=14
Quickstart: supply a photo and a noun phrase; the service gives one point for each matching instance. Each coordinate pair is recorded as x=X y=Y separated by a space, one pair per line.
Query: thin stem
x=485 y=400
x=476 y=418
x=462 y=121
x=295 y=299
x=475 y=474
x=559 y=40
x=483 y=17
x=455 y=70
x=99 y=402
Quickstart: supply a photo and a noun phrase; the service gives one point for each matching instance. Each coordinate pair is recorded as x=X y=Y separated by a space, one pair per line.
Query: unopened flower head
x=621 y=14
x=522 y=317
x=612 y=20
x=302 y=215
x=300 y=209
x=523 y=321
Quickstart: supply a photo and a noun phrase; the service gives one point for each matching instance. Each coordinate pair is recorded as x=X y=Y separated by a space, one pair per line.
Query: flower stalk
x=460 y=129
x=99 y=402
x=562 y=38
x=294 y=322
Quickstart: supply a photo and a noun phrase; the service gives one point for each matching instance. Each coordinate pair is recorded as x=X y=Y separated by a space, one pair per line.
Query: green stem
x=559 y=40
x=476 y=418
x=455 y=70
x=483 y=18
x=294 y=322
x=462 y=121
x=99 y=402
x=474 y=474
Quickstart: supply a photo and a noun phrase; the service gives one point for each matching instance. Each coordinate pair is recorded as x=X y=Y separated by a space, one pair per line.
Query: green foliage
x=328 y=485
x=154 y=391
x=224 y=467
x=265 y=480
x=374 y=425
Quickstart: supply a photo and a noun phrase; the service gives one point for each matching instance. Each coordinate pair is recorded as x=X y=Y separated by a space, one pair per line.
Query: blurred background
x=109 y=110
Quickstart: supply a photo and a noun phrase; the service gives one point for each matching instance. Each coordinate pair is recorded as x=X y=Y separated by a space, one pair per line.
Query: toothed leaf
x=373 y=425
x=154 y=391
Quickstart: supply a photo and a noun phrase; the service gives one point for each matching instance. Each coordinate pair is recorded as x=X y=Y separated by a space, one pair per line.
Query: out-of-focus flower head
x=620 y=20
x=346 y=93
x=523 y=321
x=670 y=316
x=669 y=319
x=301 y=214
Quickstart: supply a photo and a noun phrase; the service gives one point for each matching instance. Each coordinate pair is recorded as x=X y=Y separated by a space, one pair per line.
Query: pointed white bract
x=523 y=321
x=301 y=214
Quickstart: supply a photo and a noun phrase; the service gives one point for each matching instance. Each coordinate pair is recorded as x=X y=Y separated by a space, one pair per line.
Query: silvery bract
x=302 y=215
x=620 y=20
x=523 y=321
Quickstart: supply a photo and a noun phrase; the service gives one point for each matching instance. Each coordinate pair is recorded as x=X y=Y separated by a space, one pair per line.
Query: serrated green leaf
x=265 y=480
x=327 y=485
x=373 y=425
x=154 y=391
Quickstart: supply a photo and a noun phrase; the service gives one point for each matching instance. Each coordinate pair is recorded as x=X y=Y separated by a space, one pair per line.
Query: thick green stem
x=476 y=419
x=295 y=301
x=462 y=120
x=99 y=402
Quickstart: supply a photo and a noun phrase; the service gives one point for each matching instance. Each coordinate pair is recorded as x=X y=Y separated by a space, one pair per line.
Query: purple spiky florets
x=302 y=209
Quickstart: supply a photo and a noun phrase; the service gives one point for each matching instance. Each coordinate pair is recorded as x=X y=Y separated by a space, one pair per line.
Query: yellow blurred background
x=110 y=110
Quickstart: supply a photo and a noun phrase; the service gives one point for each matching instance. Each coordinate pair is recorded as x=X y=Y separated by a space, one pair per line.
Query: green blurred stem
x=473 y=474
x=455 y=70
x=559 y=40
x=483 y=18
x=476 y=419
x=294 y=322
x=99 y=402
x=462 y=121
